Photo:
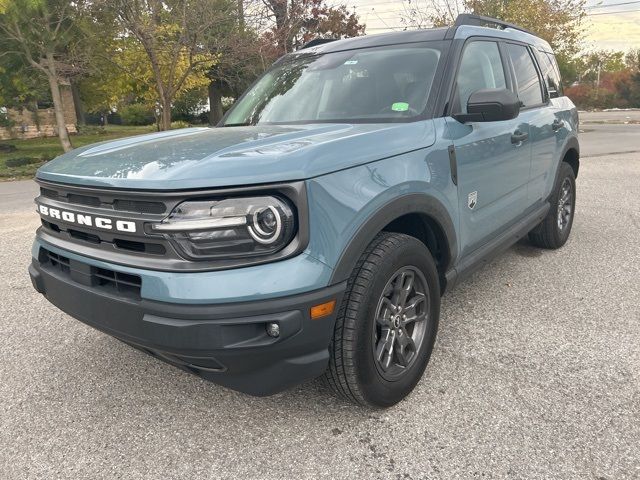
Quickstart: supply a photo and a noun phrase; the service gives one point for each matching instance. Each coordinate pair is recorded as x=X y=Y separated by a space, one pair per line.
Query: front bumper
x=223 y=343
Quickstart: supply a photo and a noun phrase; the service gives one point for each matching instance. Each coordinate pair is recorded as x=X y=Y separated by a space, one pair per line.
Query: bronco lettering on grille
x=88 y=220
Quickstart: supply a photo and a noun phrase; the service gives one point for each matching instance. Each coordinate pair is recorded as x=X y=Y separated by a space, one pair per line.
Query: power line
x=369 y=4
x=611 y=5
x=613 y=13
x=392 y=28
x=409 y=27
x=588 y=14
x=381 y=11
x=404 y=27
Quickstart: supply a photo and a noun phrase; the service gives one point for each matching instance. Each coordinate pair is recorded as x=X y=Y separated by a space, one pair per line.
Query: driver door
x=493 y=158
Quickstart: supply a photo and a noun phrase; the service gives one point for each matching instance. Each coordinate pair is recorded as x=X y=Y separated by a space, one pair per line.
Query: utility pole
x=598 y=80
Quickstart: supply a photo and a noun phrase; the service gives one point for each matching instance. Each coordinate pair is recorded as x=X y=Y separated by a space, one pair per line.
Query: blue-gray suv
x=313 y=232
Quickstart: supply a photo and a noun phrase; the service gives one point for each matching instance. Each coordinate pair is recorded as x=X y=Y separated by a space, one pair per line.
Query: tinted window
x=556 y=69
x=480 y=67
x=528 y=82
x=369 y=85
x=550 y=74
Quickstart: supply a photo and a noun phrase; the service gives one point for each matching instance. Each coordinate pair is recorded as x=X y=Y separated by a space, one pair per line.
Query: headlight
x=230 y=227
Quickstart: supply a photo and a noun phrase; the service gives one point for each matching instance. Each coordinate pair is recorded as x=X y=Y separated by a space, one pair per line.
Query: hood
x=231 y=156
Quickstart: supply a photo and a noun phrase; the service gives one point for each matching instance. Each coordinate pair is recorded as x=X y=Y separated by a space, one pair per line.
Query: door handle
x=518 y=137
x=557 y=124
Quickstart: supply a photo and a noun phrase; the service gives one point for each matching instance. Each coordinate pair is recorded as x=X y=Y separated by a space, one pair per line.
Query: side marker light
x=322 y=310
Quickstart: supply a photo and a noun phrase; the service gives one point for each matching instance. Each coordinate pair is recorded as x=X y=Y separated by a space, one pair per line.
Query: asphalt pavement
x=535 y=373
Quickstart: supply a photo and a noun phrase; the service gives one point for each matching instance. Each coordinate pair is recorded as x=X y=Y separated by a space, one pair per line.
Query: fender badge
x=472 y=200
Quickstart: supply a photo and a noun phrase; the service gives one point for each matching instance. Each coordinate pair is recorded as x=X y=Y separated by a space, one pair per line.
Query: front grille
x=119 y=243
x=84 y=200
x=46 y=192
x=122 y=284
x=114 y=225
x=117 y=204
x=58 y=262
x=78 y=235
x=139 y=206
x=142 y=247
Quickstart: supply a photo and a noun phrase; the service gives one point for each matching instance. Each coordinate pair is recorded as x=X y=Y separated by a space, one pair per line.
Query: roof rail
x=317 y=41
x=480 y=21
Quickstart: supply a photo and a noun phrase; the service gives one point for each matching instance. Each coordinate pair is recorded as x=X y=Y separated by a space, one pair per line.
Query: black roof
x=410 y=36
x=380 y=39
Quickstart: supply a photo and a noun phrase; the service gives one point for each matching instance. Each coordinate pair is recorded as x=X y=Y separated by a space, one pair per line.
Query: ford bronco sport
x=315 y=229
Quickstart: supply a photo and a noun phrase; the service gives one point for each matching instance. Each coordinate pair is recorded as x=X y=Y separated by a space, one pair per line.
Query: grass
x=31 y=154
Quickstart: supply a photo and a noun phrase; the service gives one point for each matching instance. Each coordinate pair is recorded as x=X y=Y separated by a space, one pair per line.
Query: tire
x=391 y=260
x=553 y=232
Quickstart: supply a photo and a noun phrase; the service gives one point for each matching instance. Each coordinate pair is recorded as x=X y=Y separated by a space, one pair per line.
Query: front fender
x=348 y=208
x=421 y=203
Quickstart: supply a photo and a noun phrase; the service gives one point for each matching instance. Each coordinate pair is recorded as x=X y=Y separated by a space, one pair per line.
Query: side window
x=550 y=74
x=527 y=80
x=556 y=69
x=480 y=67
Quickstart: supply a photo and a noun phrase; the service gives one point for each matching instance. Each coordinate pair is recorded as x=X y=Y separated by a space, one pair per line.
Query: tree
x=559 y=22
x=632 y=60
x=607 y=79
x=20 y=84
x=190 y=104
x=172 y=35
x=594 y=63
x=241 y=56
x=43 y=34
x=298 y=21
x=110 y=80
x=243 y=53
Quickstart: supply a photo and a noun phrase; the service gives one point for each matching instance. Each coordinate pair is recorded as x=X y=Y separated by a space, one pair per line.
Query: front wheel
x=387 y=323
x=554 y=230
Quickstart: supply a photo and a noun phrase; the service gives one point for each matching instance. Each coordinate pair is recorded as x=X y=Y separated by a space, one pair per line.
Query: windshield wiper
x=243 y=124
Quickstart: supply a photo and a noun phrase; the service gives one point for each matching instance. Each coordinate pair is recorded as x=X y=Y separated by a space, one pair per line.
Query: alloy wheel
x=565 y=205
x=401 y=322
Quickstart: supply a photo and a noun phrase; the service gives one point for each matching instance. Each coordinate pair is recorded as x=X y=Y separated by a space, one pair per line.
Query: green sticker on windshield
x=400 y=107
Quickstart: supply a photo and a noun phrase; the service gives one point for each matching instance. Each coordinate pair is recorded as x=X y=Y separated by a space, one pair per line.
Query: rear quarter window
x=550 y=73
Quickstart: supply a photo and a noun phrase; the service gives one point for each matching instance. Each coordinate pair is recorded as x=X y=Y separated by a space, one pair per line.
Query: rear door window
x=527 y=79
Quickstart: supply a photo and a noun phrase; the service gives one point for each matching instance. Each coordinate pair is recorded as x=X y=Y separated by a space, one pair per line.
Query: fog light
x=273 y=329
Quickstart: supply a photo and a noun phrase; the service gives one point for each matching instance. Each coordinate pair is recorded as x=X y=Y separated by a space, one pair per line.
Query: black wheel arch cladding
x=415 y=203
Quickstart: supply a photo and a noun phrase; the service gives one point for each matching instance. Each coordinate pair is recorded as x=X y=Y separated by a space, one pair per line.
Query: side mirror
x=490 y=105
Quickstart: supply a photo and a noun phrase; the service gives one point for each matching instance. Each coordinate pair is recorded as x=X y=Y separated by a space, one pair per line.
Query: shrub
x=5 y=121
x=22 y=161
x=179 y=124
x=7 y=148
x=136 y=114
x=91 y=130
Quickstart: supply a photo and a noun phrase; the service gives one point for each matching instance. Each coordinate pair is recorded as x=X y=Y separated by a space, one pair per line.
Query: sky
x=611 y=24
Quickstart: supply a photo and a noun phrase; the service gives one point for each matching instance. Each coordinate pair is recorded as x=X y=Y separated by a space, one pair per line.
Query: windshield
x=370 y=85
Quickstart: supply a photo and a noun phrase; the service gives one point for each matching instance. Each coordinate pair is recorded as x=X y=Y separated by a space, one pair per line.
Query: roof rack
x=480 y=21
x=317 y=41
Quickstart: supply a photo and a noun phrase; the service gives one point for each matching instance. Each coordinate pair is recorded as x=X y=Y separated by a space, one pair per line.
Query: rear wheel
x=387 y=323
x=554 y=230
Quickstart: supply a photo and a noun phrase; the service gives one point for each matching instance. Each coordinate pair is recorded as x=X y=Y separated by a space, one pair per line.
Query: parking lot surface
x=535 y=373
